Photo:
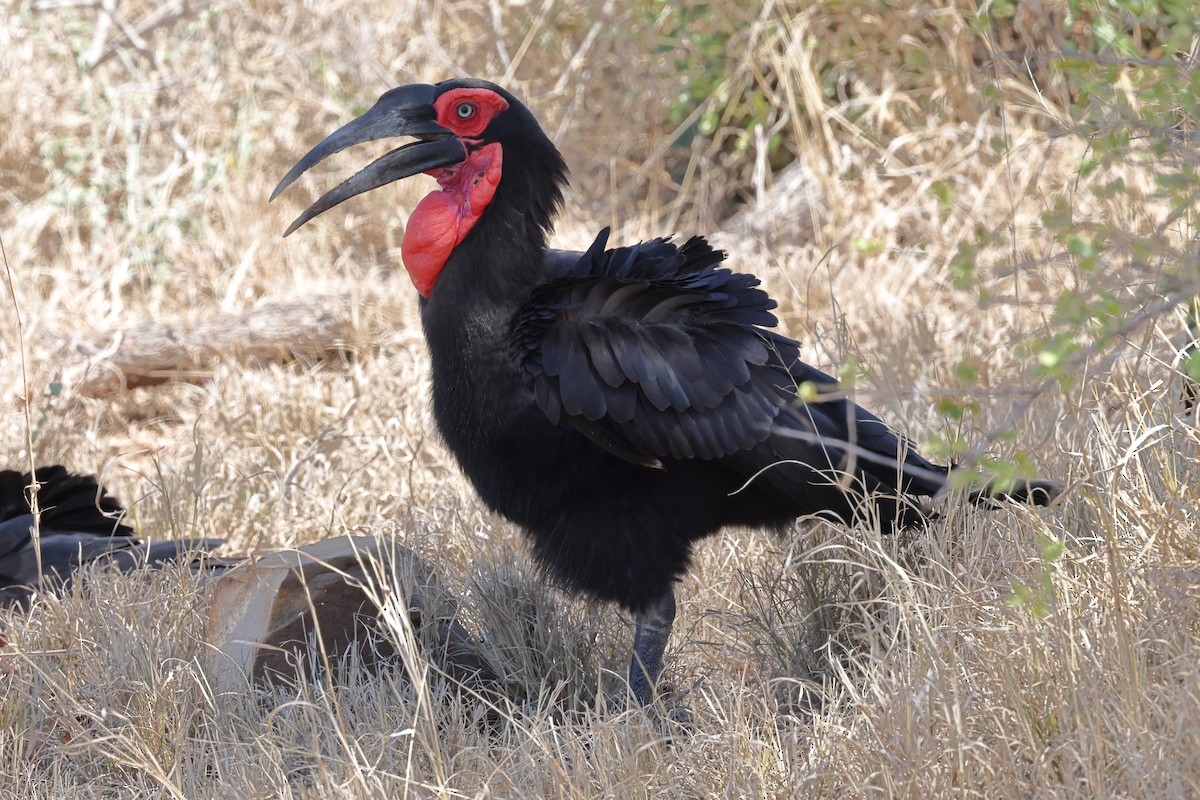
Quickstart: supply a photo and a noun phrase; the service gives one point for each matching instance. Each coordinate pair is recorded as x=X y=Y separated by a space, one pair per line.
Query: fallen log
x=784 y=215
x=151 y=353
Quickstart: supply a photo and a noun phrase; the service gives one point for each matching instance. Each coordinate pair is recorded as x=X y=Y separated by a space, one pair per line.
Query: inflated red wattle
x=443 y=219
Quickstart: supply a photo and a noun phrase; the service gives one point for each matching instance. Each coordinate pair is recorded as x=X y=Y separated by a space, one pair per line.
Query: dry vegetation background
x=1008 y=654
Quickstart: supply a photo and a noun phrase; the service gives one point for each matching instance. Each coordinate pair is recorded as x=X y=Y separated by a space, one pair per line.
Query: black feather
x=79 y=524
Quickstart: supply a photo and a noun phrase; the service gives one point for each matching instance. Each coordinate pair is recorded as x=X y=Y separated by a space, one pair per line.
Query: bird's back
x=67 y=502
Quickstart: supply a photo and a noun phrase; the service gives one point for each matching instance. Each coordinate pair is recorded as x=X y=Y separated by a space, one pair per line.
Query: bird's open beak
x=405 y=111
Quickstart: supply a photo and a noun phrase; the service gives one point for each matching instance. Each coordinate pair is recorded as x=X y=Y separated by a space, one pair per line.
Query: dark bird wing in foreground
x=80 y=524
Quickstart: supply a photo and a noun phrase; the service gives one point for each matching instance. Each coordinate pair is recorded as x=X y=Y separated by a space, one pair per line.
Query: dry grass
x=835 y=664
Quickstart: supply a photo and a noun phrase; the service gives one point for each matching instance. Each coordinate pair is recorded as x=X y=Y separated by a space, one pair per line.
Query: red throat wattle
x=443 y=218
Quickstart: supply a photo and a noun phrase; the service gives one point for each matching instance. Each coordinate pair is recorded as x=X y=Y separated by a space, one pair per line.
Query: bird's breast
x=483 y=409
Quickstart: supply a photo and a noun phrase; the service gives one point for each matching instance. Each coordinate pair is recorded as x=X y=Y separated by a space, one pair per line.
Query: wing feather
x=655 y=352
x=604 y=360
x=652 y=351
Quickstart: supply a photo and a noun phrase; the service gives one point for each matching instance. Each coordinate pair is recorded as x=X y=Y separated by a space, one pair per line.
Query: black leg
x=653 y=628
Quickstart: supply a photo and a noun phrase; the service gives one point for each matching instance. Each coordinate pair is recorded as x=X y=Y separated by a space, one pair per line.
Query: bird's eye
x=464 y=110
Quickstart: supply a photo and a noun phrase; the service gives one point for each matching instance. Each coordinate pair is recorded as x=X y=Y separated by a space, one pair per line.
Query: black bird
x=617 y=404
x=80 y=523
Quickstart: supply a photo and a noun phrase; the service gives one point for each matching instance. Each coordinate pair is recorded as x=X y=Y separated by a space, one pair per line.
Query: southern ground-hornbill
x=619 y=405
x=80 y=523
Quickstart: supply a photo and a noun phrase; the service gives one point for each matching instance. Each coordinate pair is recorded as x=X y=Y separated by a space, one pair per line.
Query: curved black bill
x=406 y=111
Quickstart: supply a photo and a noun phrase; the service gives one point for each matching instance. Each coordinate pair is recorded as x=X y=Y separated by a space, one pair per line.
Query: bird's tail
x=1037 y=492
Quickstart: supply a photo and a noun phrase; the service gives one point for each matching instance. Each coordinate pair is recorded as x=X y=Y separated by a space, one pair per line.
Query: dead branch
x=151 y=353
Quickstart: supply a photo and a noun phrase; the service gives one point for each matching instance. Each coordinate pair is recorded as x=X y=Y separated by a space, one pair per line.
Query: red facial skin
x=443 y=218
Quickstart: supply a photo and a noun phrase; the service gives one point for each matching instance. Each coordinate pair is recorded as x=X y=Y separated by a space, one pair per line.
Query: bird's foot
x=649 y=643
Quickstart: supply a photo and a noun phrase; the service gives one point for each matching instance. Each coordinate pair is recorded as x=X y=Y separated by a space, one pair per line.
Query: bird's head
x=482 y=145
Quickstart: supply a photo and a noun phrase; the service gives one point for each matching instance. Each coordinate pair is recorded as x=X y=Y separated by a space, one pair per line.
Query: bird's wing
x=79 y=525
x=14 y=534
x=62 y=552
x=829 y=431
x=654 y=352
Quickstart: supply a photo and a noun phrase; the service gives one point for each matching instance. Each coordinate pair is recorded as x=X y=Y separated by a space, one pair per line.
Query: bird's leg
x=653 y=627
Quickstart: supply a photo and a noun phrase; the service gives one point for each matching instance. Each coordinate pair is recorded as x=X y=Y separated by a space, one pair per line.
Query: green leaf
x=867 y=246
x=967 y=371
x=1192 y=366
x=950 y=408
x=945 y=195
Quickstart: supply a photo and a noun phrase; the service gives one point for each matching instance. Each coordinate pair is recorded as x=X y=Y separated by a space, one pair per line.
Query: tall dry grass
x=1008 y=654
